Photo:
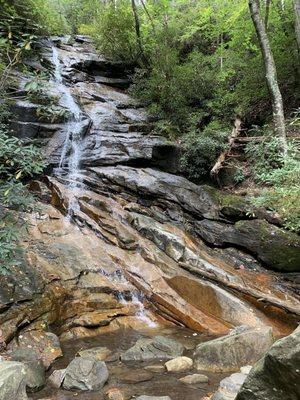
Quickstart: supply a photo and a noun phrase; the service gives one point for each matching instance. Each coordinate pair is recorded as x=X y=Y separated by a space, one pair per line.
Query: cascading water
x=136 y=298
x=75 y=126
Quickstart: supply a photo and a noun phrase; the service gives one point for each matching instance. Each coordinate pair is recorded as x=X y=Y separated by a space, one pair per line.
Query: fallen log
x=222 y=157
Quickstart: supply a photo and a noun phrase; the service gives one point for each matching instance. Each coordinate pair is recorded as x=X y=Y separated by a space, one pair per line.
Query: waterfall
x=75 y=126
x=71 y=157
x=137 y=298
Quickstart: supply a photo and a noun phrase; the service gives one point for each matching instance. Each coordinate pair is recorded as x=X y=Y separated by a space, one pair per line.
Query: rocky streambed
x=123 y=252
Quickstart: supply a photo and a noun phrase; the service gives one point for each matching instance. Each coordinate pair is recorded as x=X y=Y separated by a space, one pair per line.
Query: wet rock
x=228 y=353
x=136 y=376
x=179 y=364
x=194 y=379
x=46 y=344
x=159 y=347
x=34 y=367
x=12 y=381
x=96 y=353
x=57 y=377
x=276 y=375
x=229 y=387
x=85 y=374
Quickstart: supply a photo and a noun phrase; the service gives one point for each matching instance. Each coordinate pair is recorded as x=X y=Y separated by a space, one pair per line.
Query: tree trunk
x=271 y=74
x=267 y=13
x=138 y=32
x=297 y=22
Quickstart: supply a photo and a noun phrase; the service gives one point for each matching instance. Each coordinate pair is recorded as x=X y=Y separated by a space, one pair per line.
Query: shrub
x=17 y=162
x=280 y=177
x=112 y=29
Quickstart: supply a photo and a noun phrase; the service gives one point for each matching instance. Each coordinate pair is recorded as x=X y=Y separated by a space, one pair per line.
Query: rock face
x=150 y=349
x=276 y=375
x=12 y=381
x=229 y=353
x=85 y=374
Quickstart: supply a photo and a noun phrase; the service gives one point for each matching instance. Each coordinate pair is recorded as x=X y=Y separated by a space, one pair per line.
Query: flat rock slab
x=85 y=374
x=159 y=347
x=96 y=353
x=155 y=368
x=229 y=353
x=153 y=398
x=194 y=379
x=136 y=376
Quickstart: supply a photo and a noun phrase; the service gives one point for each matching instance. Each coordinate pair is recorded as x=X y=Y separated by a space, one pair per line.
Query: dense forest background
x=198 y=67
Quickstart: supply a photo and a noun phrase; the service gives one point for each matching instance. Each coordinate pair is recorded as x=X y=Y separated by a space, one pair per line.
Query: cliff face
x=120 y=239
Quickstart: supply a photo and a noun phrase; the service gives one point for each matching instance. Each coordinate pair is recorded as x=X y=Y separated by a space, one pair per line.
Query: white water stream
x=73 y=140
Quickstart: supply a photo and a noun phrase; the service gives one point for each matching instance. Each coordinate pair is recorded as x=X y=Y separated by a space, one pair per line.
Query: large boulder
x=277 y=375
x=85 y=374
x=12 y=381
x=228 y=353
x=46 y=344
x=35 y=370
x=159 y=347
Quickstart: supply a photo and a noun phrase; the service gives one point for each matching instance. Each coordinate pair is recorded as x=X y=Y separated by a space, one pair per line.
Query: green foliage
x=280 y=177
x=113 y=30
x=239 y=176
x=52 y=113
x=48 y=108
x=17 y=162
x=26 y=17
x=202 y=150
x=204 y=58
